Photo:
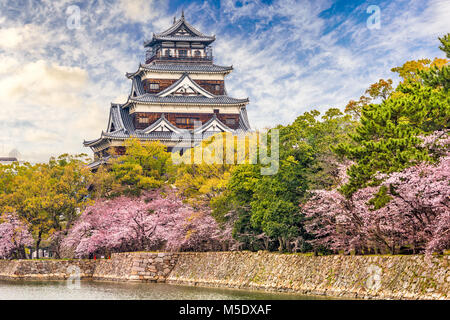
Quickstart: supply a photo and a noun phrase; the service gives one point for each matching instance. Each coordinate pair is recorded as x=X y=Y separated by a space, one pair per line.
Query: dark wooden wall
x=208 y=85
x=171 y=117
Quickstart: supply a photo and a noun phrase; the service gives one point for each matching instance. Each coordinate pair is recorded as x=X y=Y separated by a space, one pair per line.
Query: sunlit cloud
x=289 y=56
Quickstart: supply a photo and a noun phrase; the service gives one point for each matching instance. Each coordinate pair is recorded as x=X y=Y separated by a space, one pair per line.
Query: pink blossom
x=14 y=236
x=149 y=222
x=416 y=217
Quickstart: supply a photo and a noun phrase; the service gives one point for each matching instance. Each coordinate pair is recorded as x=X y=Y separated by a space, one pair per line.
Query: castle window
x=143 y=120
x=154 y=86
x=197 y=53
x=186 y=120
x=168 y=54
x=182 y=53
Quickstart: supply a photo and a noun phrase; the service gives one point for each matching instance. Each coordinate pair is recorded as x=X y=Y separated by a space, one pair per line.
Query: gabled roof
x=213 y=125
x=119 y=125
x=161 y=129
x=244 y=124
x=181 y=30
x=94 y=165
x=137 y=88
x=115 y=120
x=189 y=86
x=160 y=125
x=193 y=94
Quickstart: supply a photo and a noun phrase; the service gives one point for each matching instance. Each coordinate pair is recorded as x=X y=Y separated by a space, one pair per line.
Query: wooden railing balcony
x=181 y=59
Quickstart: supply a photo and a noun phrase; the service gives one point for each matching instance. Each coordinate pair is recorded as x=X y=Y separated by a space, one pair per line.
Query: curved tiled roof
x=124 y=129
x=184 y=38
x=178 y=24
x=98 y=163
x=138 y=94
x=244 y=124
x=217 y=100
x=177 y=68
x=170 y=34
x=136 y=86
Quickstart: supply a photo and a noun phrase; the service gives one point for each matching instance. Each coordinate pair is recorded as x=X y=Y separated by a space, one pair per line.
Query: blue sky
x=57 y=83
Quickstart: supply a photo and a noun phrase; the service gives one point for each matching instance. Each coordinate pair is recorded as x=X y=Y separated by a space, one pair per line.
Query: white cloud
x=58 y=83
x=329 y=73
x=20 y=37
x=44 y=85
x=142 y=10
x=10 y=38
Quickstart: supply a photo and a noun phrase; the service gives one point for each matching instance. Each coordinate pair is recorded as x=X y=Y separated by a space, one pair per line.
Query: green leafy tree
x=439 y=76
x=411 y=70
x=445 y=44
x=387 y=138
x=199 y=182
x=264 y=209
x=48 y=196
x=322 y=132
x=379 y=90
x=275 y=203
x=145 y=165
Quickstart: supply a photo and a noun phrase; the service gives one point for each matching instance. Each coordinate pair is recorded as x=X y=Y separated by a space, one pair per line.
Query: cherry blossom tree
x=149 y=222
x=14 y=237
x=414 y=214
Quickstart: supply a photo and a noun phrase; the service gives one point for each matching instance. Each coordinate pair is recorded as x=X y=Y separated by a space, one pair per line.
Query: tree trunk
x=22 y=254
x=266 y=243
x=280 y=241
x=287 y=247
x=38 y=242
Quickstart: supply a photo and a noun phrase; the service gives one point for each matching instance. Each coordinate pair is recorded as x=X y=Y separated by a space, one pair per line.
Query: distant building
x=7 y=160
x=177 y=87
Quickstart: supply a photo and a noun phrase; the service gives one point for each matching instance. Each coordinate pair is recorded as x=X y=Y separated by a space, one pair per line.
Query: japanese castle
x=177 y=87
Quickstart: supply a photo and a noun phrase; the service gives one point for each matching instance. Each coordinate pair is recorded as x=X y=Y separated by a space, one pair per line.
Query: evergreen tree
x=387 y=137
x=439 y=77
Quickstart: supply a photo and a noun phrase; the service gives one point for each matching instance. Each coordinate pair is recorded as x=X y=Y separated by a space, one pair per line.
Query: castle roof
x=182 y=100
x=194 y=95
x=120 y=127
x=184 y=92
x=180 y=68
x=181 y=30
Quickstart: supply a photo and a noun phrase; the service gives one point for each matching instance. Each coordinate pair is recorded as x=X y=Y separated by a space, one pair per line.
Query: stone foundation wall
x=45 y=269
x=382 y=277
x=136 y=266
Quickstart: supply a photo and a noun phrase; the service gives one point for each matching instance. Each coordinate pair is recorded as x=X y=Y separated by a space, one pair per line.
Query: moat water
x=93 y=290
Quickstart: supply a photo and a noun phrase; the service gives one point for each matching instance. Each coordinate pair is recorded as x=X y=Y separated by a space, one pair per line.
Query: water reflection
x=94 y=290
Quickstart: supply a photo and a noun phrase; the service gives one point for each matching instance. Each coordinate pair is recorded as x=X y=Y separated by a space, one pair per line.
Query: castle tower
x=178 y=85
